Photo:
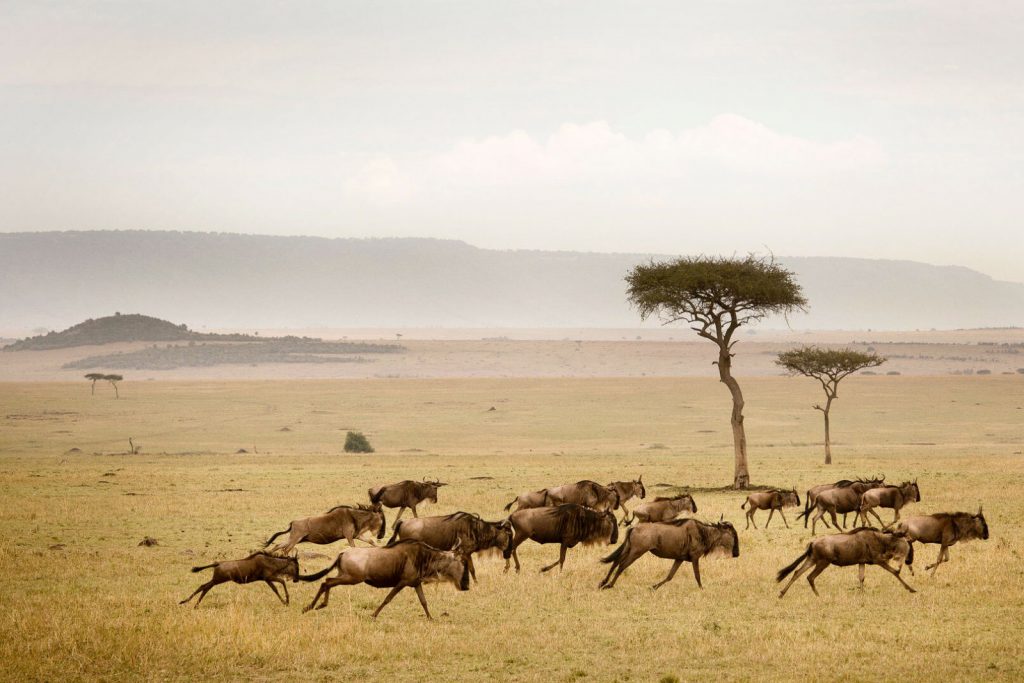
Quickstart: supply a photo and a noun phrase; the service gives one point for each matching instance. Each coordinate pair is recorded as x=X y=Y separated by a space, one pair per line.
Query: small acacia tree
x=829 y=367
x=94 y=377
x=114 y=379
x=717 y=296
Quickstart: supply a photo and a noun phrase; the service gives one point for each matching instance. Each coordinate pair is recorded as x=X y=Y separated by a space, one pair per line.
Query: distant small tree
x=829 y=367
x=114 y=379
x=717 y=296
x=95 y=377
x=355 y=442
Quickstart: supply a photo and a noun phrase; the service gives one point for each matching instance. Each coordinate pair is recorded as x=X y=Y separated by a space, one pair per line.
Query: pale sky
x=818 y=128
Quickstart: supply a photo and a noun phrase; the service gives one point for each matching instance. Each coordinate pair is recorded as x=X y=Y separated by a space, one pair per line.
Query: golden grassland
x=83 y=601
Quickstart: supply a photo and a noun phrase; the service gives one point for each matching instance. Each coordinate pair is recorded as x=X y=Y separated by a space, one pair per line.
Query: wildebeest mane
x=660 y=499
x=358 y=506
x=577 y=523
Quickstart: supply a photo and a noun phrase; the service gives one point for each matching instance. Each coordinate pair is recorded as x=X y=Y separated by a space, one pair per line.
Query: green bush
x=355 y=442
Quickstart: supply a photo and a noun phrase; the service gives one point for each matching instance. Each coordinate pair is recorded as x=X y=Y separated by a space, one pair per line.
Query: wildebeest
x=405 y=494
x=259 y=566
x=405 y=564
x=842 y=500
x=444 y=532
x=683 y=540
x=567 y=525
x=861 y=546
x=529 y=499
x=812 y=493
x=628 y=490
x=586 y=493
x=664 y=508
x=893 y=497
x=946 y=529
x=772 y=500
x=343 y=521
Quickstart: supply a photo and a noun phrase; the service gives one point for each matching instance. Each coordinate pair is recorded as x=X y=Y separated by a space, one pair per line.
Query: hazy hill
x=248 y=281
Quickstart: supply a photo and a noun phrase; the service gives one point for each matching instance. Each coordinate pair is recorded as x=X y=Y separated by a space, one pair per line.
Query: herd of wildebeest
x=440 y=549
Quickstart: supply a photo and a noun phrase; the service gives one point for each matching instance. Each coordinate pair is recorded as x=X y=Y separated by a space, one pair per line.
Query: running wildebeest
x=405 y=564
x=893 y=497
x=529 y=499
x=259 y=566
x=474 y=534
x=861 y=546
x=567 y=525
x=683 y=540
x=946 y=529
x=812 y=493
x=772 y=500
x=343 y=521
x=628 y=490
x=663 y=508
x=405 y=494
x=586 y=493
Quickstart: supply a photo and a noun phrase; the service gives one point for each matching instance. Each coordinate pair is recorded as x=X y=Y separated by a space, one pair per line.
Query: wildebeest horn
x=979 y=509
x=458 y=543
x=721 y=518
x=640 y=478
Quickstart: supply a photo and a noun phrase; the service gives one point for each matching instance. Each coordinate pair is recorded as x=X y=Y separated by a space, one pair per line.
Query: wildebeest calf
x=772 y=500
x=683 y=540
x=664 y=508
x=259 y=566
x=861 y=546
x=405 y=494
x=339 y=522
x=892 y=497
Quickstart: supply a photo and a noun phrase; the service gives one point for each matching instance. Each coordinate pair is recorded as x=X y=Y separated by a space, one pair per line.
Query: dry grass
x=102 y=607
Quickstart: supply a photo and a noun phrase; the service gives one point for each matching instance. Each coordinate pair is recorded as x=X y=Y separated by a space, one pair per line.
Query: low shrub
x=356 y=442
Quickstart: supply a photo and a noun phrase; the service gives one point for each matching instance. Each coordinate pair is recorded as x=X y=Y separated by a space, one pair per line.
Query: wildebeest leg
x=860 y=574
x=413 y=508
x=818 y=569
x=400 y=511
x=472 y=569
x=274 y=588
x=771 y=511
x=423 y=601
x=559 y=563
x=844 y=519
x=391 y=595
x=750 y=518
x=671 y=573
x=836 y=521
x=864 y=516
x=797 y=574
x=814 y=522
x=202 y=589
x=943 y=557
x=517 y=541
x=325 y=590
x=886 y=567
x=783 y=514
x=620 y=567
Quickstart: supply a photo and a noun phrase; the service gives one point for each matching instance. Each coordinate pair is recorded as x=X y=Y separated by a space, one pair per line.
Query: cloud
x=585 y=157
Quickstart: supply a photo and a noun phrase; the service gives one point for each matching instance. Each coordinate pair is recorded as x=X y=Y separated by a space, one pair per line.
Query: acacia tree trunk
x=741 y=475
x=828 y=437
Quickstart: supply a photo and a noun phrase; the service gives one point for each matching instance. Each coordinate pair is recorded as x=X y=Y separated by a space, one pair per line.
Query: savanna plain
x=83 y=600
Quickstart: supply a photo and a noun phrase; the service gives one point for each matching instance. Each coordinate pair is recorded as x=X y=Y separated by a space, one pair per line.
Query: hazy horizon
x=874 y=130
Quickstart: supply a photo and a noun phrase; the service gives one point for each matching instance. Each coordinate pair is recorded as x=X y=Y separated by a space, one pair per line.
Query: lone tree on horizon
x=717 y=296
x=94 y=377
x=829 y=367
x=114 y=379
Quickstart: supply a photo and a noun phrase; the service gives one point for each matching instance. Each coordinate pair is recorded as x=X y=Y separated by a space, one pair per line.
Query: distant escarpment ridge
x=182 y=347
x=51 y=280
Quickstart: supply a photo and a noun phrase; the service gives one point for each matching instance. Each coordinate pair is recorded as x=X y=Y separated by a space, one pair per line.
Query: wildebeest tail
x=744 y=506
x=394 y=536
x=271 y=539
x=788 y=569
x=321 y=574
x=205 y=566
x=910 y=555
x=375 y=496
x=618 y=552
x=509 y=506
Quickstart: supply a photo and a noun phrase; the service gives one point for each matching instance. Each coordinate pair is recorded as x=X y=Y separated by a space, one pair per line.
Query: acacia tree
x=94 y=377
x=829 y=367
x=717 y=296
x=114 y=379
